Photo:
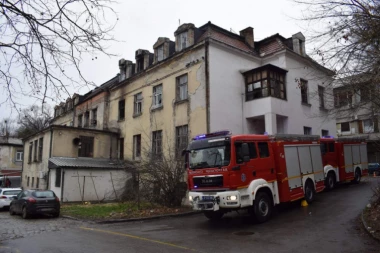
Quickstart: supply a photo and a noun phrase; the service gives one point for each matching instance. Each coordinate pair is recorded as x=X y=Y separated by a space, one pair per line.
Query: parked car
x=6 y=196
x=373 y=167
x=32 y=202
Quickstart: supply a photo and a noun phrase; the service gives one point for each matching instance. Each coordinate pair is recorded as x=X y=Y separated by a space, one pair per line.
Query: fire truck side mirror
x=245 y=152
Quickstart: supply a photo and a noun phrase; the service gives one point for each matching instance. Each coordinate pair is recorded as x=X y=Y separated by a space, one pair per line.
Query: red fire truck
x=344 y=160
x=255 y=172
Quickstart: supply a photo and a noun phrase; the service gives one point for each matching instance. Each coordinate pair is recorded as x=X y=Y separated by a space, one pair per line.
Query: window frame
x=137 y=104
x=341 y=127
x=157 y=96
x=261 y=153
x=136 y=147
x=307 y=130
x=87 y=144
x=182 y=40
x=58 y=177
x=121 y=109
x=30 y=152
x=94 y=116
x=121 y=148
x=80 y=120
x=321 y=95
x=35 y=153
x=21 y=153
x=182 y=86
x=182 y=138
x=160 y=53
x=304 y=87
x=40 y=148
x=157 y=143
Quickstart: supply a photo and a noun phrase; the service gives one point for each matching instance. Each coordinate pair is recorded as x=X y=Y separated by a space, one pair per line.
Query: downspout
x=50 y=148
x=207 y=85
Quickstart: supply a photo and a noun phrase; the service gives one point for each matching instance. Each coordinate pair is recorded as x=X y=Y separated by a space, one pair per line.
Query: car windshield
x=209 y=157
x=10 y=193
x=43 y=194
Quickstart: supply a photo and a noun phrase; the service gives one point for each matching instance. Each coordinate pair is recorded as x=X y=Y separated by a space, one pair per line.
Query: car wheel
x=11 y=212
x=262 y=207
x=330 y=181
x=213 y=215
x=309 y=192
x=358 y=176
x=25 y=214
x=56 y=215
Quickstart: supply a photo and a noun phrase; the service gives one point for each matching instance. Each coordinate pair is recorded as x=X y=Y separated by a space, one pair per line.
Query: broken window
x=182 y=139
x=182 y=41
x=136 y=146
x=182 y=87
x=140 y=64
x=157 y=96
x=345 y=126
x=122 y=109
x=304 y=91
x=86 y=147
x=157 y=143
x=137 y=109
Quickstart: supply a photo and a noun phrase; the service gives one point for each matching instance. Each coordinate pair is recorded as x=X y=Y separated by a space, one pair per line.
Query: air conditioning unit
x=93 y=122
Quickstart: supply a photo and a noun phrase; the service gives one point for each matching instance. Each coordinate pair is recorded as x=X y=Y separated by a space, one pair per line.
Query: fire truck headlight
x=231 y=197
x=190 y=198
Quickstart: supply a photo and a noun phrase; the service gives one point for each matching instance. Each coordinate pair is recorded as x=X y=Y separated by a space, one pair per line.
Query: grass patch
x=117 y=210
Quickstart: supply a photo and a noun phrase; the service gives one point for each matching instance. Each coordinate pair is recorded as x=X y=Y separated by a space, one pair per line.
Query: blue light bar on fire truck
x=328 y=137
x=214 y=134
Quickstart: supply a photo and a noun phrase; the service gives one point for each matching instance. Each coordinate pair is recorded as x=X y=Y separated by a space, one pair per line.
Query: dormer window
x=182 y=40
x=140 y=64
x=160 y=53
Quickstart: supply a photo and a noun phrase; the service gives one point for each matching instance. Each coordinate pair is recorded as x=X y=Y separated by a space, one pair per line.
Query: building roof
x=87 y=163
x=10 y=141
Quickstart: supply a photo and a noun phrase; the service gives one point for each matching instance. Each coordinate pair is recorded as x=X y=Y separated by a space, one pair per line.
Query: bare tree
x=33 y=120
x=40 y=40
x=8 y=127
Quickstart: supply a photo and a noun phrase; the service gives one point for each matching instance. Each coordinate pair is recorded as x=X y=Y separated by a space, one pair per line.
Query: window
x=86 y=119
x=160 y=53
x=58 y=177
x=136 y=146
x=263 y=149
x=345 y=127
x=368 y=126
x=304 y=91
x=32 y=182
x=40 y=148
x=35 y=150
x=321 y=92
x=19 y=154
x=140 y=64
x=137 y=107
x=306 y=130
x=342 y=98
x=264 y=82
x=27 y=182
x=182 y=41
x=38 y=183
x=182 y=138
x=121 y=148
x=30 y=152
x=157 y=142
x=94 y=116
x=86 y=147
x=238 y=151
x=80 y=120
x=325 y=132
x=157 y=96
x=182 y=87
x=122 y=109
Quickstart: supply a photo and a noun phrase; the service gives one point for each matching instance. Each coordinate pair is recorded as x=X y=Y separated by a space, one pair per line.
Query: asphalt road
x=329 y=225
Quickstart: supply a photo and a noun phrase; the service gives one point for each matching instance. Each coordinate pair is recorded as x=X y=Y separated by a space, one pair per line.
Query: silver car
x=6 y=196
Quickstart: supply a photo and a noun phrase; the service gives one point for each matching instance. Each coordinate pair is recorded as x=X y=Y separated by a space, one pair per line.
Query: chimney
x=122 y=67
x=247 y=33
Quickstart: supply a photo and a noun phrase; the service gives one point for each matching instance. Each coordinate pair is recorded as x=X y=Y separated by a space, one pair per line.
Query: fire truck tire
x=213 y=215
x=358 y=176
x=330 y=181
x=309 y=192
x=262 y=207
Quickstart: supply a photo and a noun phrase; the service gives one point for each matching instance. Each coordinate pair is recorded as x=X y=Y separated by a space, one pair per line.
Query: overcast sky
x=142 y=22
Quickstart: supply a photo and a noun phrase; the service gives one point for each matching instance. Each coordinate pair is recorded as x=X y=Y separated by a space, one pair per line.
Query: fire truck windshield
x=209 y=157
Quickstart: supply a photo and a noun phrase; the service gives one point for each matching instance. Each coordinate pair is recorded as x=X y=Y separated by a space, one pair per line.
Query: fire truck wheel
x=330 y=181
x=358 y=176
x=309 y=192
x=213 y=215
x=262 y=207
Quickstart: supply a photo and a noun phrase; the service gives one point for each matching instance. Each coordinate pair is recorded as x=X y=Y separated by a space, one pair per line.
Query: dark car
x=373 y=168
x=32 y=202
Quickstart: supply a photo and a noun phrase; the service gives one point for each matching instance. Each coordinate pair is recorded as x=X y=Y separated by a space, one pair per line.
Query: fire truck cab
x=254 y=172
x=344 y=160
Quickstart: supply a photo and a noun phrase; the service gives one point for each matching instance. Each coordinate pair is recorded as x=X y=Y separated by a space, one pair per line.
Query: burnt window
x=265 y=81
x=86 y=119
x=80 y=120
x=157 y=142
x=94 y=117
x=182 y=138
x=58 y=174
x=86 y=147
x=121 y=148
x=137 y=146
x=304 y=91
x=122 y=109
x=40 y=148
x=263 y=149
x=30 y=152
x=345 y=126
x=140 y=64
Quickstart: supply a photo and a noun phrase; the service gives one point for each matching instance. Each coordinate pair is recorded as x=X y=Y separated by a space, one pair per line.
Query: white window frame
x=137 y=107
x=157 y=96
x=369 y=127
x=182 y=85
x=160 y=53
x=19 y=155
x=182 y=40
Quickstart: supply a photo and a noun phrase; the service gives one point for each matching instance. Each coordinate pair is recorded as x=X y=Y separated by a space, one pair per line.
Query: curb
x=367 y=227
x=134 y=219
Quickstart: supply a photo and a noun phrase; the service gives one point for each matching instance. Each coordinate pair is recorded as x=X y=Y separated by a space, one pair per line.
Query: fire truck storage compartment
x=303 y=160
x=354 y=154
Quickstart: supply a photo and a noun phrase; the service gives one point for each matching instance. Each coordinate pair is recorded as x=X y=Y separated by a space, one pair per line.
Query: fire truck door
x=348 y=158
x=293 y=167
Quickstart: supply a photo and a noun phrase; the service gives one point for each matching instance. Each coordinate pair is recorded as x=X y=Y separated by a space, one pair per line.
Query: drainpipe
x=207 y=85
x=50 y=148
